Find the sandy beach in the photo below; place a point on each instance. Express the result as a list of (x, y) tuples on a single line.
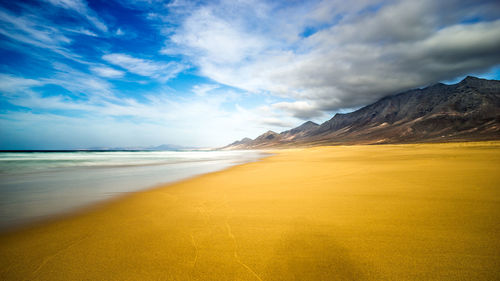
[(386, 212)]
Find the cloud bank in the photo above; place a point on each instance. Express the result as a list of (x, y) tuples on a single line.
[(330, 55)]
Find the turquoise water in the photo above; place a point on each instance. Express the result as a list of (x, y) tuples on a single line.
[(37, 185)]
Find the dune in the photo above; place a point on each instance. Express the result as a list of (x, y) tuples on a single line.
[(384, 212)]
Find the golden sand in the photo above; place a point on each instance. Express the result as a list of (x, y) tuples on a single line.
[(391, 212)]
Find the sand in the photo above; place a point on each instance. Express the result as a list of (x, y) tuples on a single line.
[(387, 212)]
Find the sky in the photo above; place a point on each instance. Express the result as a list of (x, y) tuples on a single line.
[(77, 74)]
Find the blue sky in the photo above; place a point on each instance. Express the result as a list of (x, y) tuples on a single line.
[(79, 74)]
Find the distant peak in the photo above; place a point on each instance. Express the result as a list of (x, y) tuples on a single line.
[(472, 81), (436, 86), (309, 123), (269, 135), (469, 79), (306, 126)]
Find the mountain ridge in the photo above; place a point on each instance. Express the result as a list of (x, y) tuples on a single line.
[(465, 111)]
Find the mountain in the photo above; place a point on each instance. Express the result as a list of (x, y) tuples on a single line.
[(241, 144), (466, 111), (299, 131), (268, 138)]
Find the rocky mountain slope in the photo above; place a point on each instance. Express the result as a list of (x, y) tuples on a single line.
[(466, 111)]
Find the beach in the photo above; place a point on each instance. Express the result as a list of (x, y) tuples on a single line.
[(378, 212), (36, 185)]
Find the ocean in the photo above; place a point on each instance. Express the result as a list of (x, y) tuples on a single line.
[(37, 185)]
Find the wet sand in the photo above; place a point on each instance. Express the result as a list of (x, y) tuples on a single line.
[(386, 212)]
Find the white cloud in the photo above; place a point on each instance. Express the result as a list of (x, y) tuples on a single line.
[(155, 69), (202, 119), (33, 100), (12, 84), (356, 53), (107, 72), (84, 31), (80, 83), (215, 39), (81, 7), (202, 89), (31, 30)]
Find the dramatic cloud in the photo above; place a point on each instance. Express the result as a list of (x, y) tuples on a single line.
[(299, 109), (356, 55)]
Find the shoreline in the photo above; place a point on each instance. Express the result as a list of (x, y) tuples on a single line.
[(348, 212), (92, 206)]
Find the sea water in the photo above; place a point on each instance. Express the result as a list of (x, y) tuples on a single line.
[(37, 185)]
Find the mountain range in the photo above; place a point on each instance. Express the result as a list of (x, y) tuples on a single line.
[(466, 111)]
